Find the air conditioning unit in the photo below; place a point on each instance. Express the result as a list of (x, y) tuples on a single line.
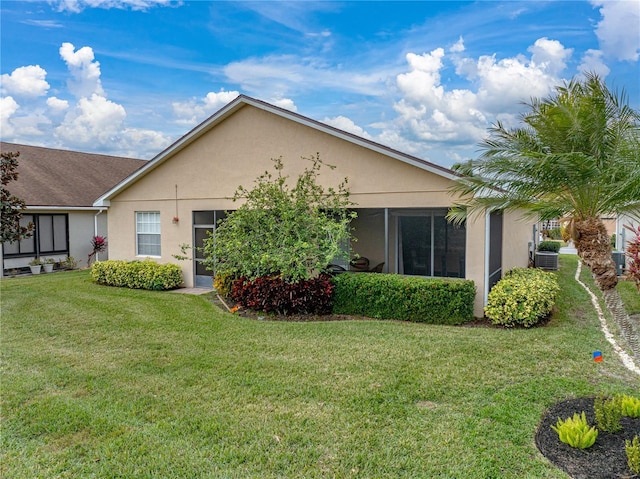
[(546, 260), (618, 258)]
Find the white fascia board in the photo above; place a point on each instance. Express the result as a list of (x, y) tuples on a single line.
[(64, 208)]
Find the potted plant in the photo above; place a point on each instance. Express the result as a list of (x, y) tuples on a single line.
[(35, 265), (48, 265)]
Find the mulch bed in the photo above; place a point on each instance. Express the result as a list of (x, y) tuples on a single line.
[(606, 459)]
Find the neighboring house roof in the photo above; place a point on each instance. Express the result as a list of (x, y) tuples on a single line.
[(65, 179), (242, 101)]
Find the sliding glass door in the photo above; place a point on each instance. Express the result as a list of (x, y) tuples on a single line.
[(428, 245)]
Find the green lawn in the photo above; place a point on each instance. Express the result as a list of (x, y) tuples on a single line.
[(630, 296), (105, 382)]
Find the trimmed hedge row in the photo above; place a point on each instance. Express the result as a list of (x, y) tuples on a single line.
[(408, 298), (522, 298), (137, 274)]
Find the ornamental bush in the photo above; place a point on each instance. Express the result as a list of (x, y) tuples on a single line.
[(408, 298), (272, 294), (552, 246), (576, 431), (291, 231), (522, 298), (137, 274)]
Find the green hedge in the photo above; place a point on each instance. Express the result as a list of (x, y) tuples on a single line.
[(553, 246), (408, 298), (522, 298), (137, 274)]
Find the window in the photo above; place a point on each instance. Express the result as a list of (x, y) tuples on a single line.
[(50, 236), (148, 233)]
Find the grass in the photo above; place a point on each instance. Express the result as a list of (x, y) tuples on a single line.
[(106, 382), (630, 296)]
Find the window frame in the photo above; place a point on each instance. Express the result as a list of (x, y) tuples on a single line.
[(158, 223), (36, 238)]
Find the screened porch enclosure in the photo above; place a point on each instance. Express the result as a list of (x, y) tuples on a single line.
[(411, 241)]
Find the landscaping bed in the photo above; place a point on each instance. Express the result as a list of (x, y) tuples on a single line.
[(606, 459)]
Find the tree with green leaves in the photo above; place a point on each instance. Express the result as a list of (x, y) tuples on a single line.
[(279, 230), (576, 157), (11, 206)]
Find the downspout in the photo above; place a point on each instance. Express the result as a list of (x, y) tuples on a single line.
[(487, 244), (95, 228)]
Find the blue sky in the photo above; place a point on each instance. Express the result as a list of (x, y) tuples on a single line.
[(428, 78)]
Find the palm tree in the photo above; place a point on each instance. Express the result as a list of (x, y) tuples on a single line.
[(577, 156)]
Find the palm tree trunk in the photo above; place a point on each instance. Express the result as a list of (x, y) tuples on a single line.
[(594, 247)]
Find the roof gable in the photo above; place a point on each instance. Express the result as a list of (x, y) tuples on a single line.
[(60, 178), (244, 101)]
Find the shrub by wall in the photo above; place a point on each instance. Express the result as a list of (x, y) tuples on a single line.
[(407, 298), (551, 246), (273, 294), (522, 298), (137, 274)]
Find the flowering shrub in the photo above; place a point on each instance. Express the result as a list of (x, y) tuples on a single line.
[(522, 298), (633, 253), (98, 245)]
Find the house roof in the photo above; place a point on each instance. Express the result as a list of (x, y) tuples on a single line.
[(65, 179), (242, 101)]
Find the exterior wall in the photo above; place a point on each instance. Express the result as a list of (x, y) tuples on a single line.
[(475, 259), (205, 174), (81, 230), (516, 235)]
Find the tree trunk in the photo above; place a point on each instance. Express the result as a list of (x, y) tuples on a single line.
[(594, 247)]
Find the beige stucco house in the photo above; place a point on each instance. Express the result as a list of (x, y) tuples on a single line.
[(401, 200), (59, 188)]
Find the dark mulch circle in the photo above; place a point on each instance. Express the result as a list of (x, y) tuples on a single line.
[(606, 459)]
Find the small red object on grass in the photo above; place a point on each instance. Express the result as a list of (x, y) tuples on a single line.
[(597, 356)]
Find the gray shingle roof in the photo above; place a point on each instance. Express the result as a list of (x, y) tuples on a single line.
[(48, 177)]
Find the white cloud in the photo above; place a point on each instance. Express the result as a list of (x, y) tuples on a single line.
[(76, 6), (429, 114), (141, 143), (279, 76), (619, 29), (549, 55), (346, 124), (592, 61), (84, 70), (457, 47), (195, 110), (8, 106), (286, 103), (93, 120), (28, 81), (56, 105)]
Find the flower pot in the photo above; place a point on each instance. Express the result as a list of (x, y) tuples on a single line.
[(35, 269), (48, 267)]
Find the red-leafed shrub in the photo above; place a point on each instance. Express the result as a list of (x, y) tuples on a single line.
[(273, 294)]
